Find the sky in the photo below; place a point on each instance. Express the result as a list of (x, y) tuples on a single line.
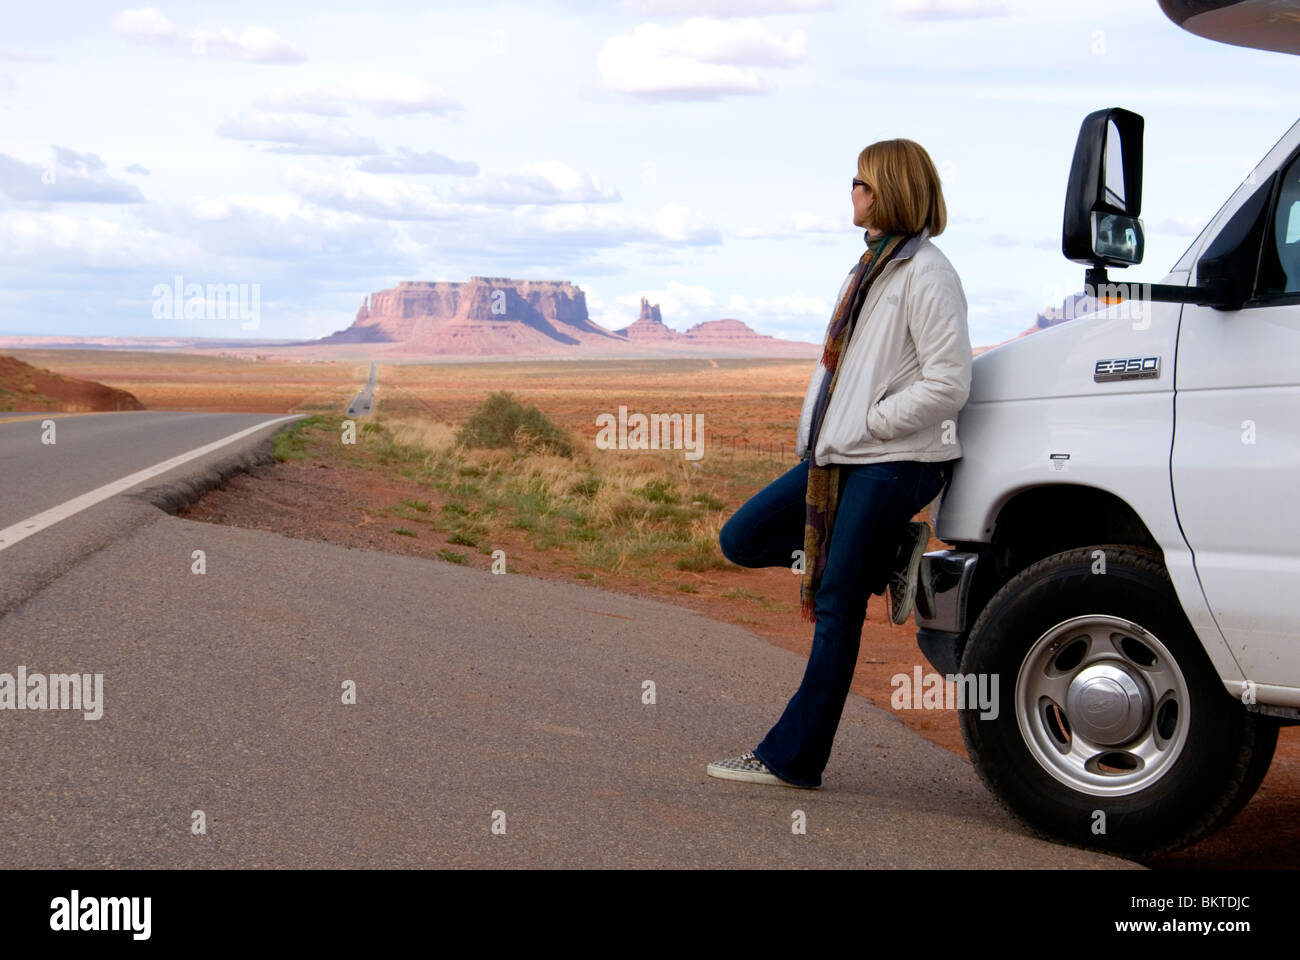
[(698, 154)]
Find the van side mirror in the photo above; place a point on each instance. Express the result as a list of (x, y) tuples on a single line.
[(1102, 202), (1104, 195)]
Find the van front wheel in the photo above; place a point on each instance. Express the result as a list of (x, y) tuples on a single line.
[(1112, 730)]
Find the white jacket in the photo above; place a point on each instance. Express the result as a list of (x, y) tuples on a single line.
[(907, 368)]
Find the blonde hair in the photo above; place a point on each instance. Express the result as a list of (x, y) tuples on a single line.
[(905, 183)]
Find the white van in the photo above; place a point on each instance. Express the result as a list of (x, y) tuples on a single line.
[(1125, 519)]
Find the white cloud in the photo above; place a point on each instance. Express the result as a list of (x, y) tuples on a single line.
[(383, 95), (543, 182), (680, 304), (316, 242), (794, 305), (680, 224), (555, 235), (280, 206), (144, 23), (71, 178), (84, 243), (372, 195), (724, 8), (535, 184), (286, 136), (948, 9), (406, 160), (701, 59), (672, 224), (580, 225), (253, 44)]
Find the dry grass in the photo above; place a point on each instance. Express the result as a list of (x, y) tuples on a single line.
[(436, 437), (650, 514)]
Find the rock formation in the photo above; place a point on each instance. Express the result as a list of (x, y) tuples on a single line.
[(649, 327), (497, 316), (723, 330), (486, 315)]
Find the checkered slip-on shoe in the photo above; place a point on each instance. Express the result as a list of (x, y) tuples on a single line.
[(746, 767), (902, 581)]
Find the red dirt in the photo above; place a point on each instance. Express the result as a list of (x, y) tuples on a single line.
[(25, 387)]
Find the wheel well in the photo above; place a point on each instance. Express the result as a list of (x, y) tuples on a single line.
[(1079, 516), (1041, 521)]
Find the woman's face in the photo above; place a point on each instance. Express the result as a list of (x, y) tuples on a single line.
[(863, 199)]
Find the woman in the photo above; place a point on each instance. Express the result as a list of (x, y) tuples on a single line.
[(877, 440)]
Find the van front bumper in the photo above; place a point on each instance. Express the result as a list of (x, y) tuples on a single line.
[(942, 594)]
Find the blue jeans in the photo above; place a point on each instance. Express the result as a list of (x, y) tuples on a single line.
[(876, 502)]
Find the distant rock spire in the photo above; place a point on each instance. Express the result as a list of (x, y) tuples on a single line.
[(649, 325)]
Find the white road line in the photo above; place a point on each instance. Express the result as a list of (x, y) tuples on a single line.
[(25, 528)]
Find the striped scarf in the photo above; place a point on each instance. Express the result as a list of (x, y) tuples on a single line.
[(823, 493)]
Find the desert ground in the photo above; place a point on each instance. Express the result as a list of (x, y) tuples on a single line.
[(648, 521)]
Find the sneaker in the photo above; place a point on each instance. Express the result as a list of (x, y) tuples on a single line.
[(746, 767), (902, 581)]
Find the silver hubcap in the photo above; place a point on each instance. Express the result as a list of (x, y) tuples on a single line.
[(1102, 705)]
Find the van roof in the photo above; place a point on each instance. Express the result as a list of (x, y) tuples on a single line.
[(1261, 24)]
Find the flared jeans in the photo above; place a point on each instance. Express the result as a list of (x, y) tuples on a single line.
[(876, 502)]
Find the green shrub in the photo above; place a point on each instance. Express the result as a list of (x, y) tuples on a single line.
[(502, 422)]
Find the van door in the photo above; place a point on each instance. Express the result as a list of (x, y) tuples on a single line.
[(1236, 453)]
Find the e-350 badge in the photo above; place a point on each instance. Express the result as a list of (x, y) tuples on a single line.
[(1130, 368)]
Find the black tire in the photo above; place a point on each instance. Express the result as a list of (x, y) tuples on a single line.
[(1193, 789)]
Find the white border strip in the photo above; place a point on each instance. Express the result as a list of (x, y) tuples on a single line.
[(25, 528)]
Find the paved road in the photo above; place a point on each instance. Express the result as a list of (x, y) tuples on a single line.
[(89, 453), (364, 401), (475, 693)]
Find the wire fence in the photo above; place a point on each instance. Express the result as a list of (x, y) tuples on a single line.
[(736, 444)]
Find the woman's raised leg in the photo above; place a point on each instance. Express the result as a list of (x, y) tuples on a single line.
[(768, 529)]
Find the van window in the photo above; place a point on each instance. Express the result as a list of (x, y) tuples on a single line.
[(1280, 266)]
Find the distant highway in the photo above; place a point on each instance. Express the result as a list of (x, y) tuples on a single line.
[(363, 402)]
